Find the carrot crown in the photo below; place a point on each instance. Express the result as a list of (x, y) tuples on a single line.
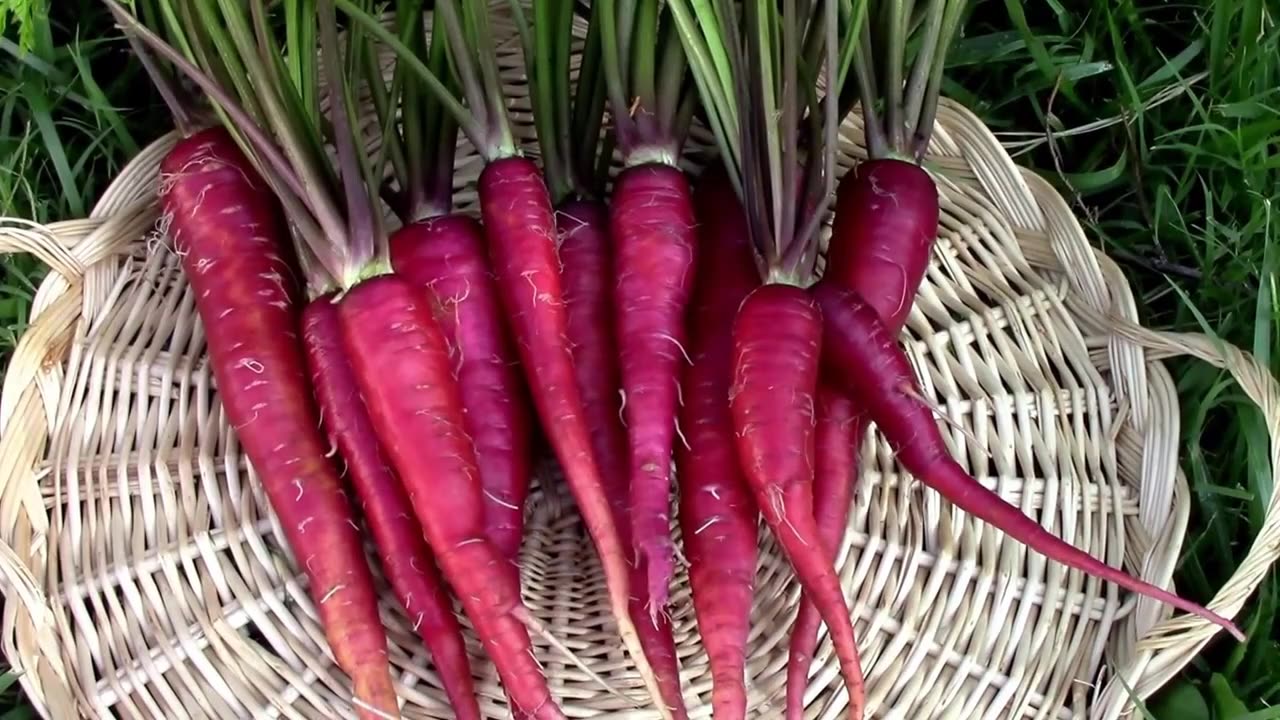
[(758, 75), (269, 97), (646, 72), (568, 116), (898, 108)]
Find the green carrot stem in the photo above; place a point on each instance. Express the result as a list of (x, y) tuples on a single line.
[(644, 47), (442, 130), (292, 191), (543, 81), (895, 33), (877, 143), (613, 54), (924, 127), (470, 125), (361, 226), (922, 66), (673, 68)]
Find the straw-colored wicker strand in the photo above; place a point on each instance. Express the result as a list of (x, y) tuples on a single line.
[(123, 492)]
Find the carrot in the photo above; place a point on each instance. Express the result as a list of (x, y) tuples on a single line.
[(228, 232), (396, 349), (446, 255), (651, 220), (516, 212), (781, 176), (858, 346), (718, 514), (777, 338), (401, 360), (587, 270), (406, 559), (522, 232), (885, 222), (840, 428)]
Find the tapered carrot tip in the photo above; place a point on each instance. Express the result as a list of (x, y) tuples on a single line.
[(375, 696)]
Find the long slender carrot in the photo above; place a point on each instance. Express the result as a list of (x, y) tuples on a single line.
[(521, 229), (840, 427), (858, 347), (446, 255), (718, 514), (406, 559), (228, 232), (586, 259), (777, 341), (401, 360), (651, 220)]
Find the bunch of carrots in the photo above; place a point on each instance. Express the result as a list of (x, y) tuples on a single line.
[(670, 336)]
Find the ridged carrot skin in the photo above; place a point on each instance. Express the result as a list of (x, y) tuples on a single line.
[(840, 427), (406, 559), (587, 260), (882, 234), (402, 364), (520, 227), (718, 514), (777, 344), (230, 237), (447, 255), (862, 356), (652, 222)]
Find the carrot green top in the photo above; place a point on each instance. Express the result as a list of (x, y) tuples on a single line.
[(646, 76), (758, 77), (568, 116), (899, 109)]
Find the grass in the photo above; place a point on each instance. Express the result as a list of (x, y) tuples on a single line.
[(1158, 119)]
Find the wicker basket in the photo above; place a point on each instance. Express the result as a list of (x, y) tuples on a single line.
[(144, 576)]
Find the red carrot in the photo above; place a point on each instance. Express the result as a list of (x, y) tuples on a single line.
[(406, 560), (446, 254), (840, 427), (882, 234), (516, 211), (858, 346), (522, 231), (777, 338), (718, 515), (401, 359), (651, 220), (587, 269), (228, 232)]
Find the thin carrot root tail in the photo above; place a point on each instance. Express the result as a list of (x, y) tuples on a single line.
[(375, 696), (658, 558), (804, 638), (536, 627), (631, 640)]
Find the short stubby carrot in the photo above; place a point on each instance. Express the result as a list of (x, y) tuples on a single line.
[(447, 255), (777, 343), (231, 239), (586, 259), (406, 559), (652, 223), (882, 234), (718, 514), (401, 361), (861, 355), (521, 230)]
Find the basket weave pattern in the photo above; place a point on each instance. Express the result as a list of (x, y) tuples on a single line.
[(144, 575)]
